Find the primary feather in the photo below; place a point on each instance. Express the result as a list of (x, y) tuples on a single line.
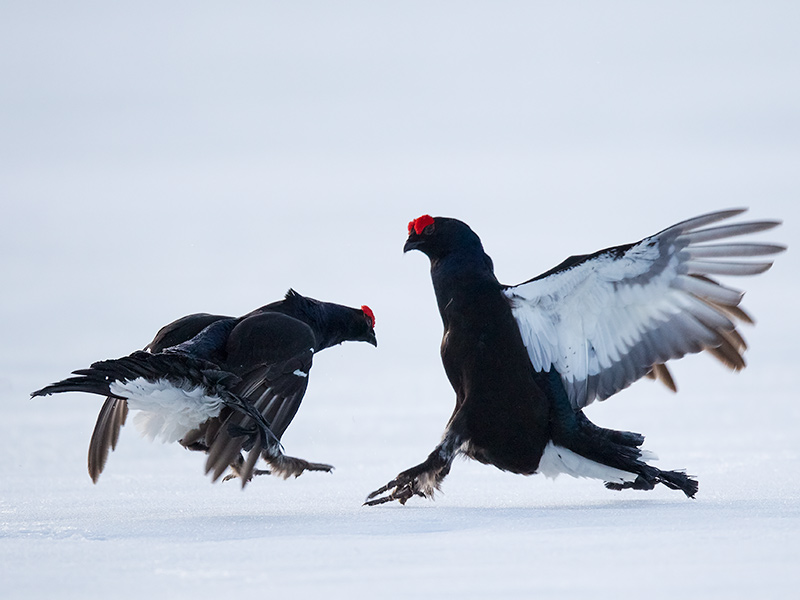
[(605, 320)]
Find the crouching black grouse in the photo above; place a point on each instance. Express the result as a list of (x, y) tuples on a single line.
[(221, 385), (525, 360)]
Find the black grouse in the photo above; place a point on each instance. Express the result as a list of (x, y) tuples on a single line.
[(525, 360), (221, 385)]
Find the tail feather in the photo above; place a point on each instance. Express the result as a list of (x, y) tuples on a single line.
[(249, 431), (624, 438), (174, 367), (679, 480), (621, 450), (84, 383), (649, 476)]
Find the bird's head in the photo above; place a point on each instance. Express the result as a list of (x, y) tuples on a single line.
[(437, 237), (332, 323), (352, 324), (368, 331)]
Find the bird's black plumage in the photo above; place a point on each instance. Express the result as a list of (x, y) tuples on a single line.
[(524, 360), (222, 385)]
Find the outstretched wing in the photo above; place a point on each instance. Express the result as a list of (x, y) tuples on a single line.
[(607, 319)]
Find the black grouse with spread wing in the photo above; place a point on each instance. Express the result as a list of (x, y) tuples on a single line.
[(525, 360), (221, 385)]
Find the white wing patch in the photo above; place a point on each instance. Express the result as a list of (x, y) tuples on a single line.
[(603, 321), (167, 412)]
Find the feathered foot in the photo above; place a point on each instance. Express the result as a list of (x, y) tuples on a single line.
[(289, 466), (417, 481), (422, 480)]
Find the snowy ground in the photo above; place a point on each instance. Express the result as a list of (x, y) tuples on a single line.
[(154, 525), (157, 161)]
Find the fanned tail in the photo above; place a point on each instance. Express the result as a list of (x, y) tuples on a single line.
[(179, 370), (616, 457), (622, 450)]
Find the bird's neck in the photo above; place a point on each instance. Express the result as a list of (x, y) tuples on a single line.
[(330, 326), (329, 322), (462, 276)]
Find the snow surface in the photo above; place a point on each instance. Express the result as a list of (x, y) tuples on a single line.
[(162, 159)]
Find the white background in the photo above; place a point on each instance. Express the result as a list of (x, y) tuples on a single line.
[(159, 159)]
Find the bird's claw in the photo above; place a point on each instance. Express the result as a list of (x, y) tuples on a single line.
[(289, 466), (401, 489), (255, 472), (282, 466)]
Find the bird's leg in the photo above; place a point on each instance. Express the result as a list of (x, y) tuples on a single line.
[(280, 464), (259, 441), (289, 466), (257, 432), (195, 446), (239, 470), (254, 473), (422, 480)]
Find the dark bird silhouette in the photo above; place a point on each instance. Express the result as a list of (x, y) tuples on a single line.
[(221, 385), (525, 360)]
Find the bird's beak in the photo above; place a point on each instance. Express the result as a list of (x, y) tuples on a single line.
[(412, 243), (372, 339)]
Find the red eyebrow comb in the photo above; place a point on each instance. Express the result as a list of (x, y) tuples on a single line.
[(420, 223), (370, 315)]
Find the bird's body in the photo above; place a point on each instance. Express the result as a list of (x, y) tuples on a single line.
[(524, 360), (221, 385), (481, 346)]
